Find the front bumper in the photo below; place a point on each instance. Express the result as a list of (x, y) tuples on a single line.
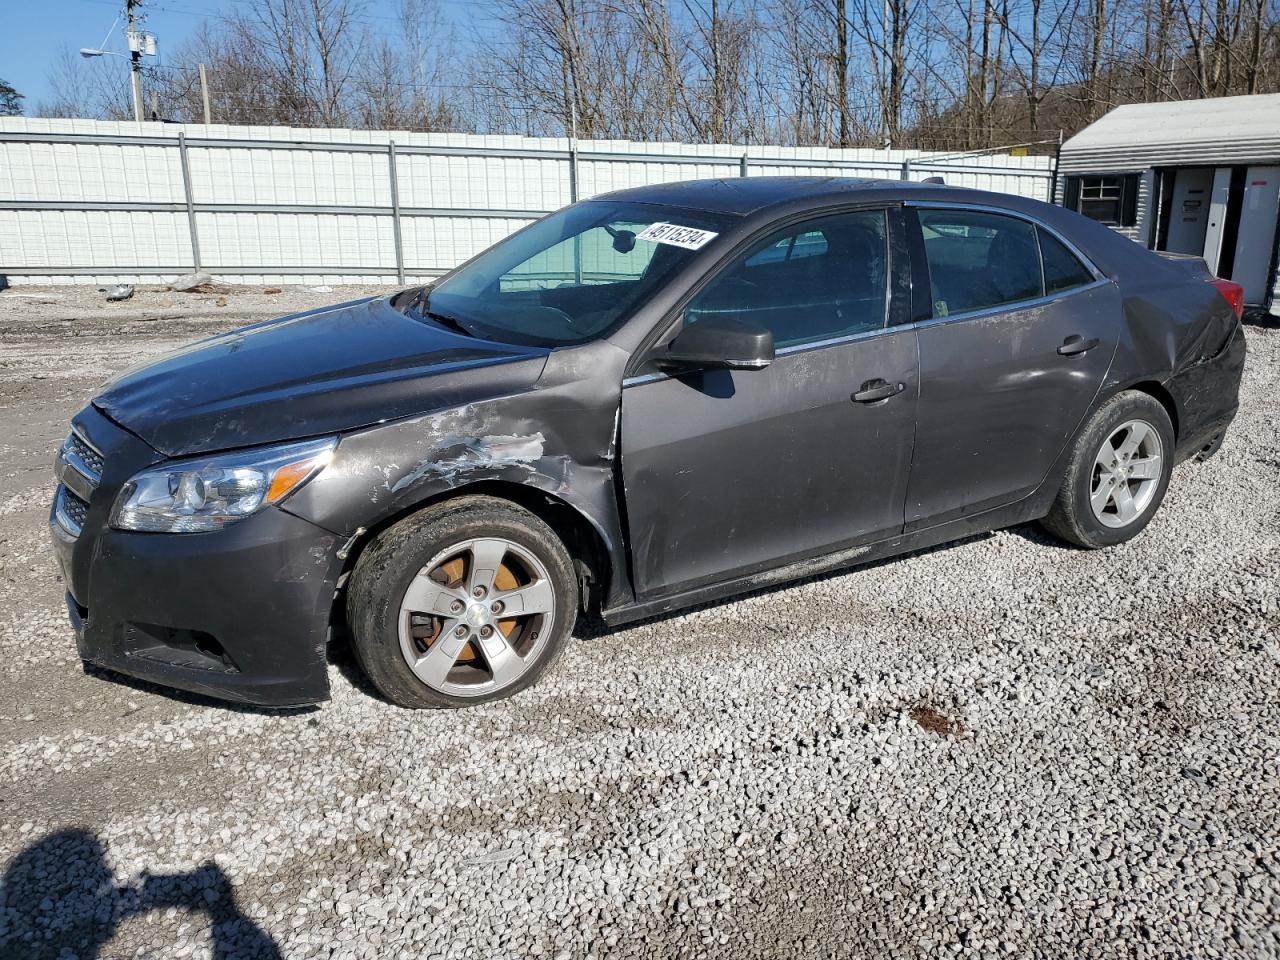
[(241, 613)]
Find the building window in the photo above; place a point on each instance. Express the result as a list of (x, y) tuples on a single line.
[(1108, 198)]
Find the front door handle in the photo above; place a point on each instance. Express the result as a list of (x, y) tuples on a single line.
[(1075, 345), (873, 391)]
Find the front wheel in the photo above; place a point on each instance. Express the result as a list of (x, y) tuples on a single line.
[(1117, 475), (468, 601)]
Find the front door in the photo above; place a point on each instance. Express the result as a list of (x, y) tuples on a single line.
[(1022, 334), (732, 472)]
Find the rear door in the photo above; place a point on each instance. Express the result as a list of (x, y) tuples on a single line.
[(732, 472), (1021, 335)]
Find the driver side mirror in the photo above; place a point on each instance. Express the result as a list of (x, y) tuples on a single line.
[(718, 343)]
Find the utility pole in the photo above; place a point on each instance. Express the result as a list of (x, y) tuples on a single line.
[(204, 94), (135, 59)]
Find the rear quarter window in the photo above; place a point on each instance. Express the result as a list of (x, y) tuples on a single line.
[(1062, 268)]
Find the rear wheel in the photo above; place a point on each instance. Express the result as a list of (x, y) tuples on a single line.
[(469, 601), (1117, 475)]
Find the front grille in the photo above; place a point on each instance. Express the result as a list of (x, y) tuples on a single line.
[(91, 458), (70, 511), (78, 469)]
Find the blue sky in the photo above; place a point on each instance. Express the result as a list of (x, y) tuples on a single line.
[(36, 31)]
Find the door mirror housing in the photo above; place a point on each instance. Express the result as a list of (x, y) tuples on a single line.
[(718, 343)]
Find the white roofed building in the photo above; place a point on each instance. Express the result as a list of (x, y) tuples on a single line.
[(1198, 177)]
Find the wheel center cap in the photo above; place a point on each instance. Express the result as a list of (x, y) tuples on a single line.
[(477, 614)]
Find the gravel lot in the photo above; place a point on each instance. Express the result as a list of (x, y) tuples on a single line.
[(1003, 747)]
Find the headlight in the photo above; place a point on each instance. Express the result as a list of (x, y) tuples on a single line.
[(193, 496)]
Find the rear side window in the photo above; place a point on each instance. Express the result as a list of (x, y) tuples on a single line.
[(1062, 268), (979, 260), (818, 280)]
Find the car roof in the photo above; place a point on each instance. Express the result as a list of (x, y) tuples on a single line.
[(764, 197), (746, 195)]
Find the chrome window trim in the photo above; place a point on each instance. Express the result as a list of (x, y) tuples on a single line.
[(644, 378), (1008, 307), (787, 351), (837, 341)]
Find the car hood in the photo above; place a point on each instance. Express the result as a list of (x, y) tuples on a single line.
[(323, 371)]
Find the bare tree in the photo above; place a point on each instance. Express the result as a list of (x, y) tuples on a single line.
[(86, 88), (937, 74)]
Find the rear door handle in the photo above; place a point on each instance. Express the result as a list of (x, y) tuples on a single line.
[(873, 391), (1075, 345)]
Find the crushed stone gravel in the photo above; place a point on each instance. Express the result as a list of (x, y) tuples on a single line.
[(1002, 747)]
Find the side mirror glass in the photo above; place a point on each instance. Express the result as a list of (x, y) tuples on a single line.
[(718, 343)]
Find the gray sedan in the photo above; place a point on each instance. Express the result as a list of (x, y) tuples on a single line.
[(652, 399)]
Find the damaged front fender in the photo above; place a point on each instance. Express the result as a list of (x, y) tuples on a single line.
[(558, 438)]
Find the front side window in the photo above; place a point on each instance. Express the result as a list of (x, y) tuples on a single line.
[(979, 260), (814, 281), (792, 247), (572, 276)]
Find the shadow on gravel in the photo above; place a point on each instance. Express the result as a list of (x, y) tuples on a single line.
[(1041, 537), (191, 699), (588, 628), (591, 628), (58, 899), (1257, 317), (342, 656)]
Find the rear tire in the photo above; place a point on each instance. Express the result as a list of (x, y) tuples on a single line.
[(469, 601), (1117, 474)]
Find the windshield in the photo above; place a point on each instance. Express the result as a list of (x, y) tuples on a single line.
[(572, 276)]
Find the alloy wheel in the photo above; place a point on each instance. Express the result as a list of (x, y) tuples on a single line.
[(1126, 474), (475, 617)]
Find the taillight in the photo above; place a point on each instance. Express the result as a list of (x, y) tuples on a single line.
[(1233, 293)]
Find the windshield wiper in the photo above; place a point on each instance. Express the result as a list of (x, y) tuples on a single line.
[(453, 323), (421, 303)]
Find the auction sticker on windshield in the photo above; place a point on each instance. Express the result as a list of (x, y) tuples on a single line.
[(676, 235)]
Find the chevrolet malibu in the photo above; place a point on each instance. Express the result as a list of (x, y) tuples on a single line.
[(656, 398)]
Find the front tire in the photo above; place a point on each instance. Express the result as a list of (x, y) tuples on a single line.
[(1117, 474), (469, 601)]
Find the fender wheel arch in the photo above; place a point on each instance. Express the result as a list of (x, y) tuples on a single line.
[(580, 537), (1154, 389)]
